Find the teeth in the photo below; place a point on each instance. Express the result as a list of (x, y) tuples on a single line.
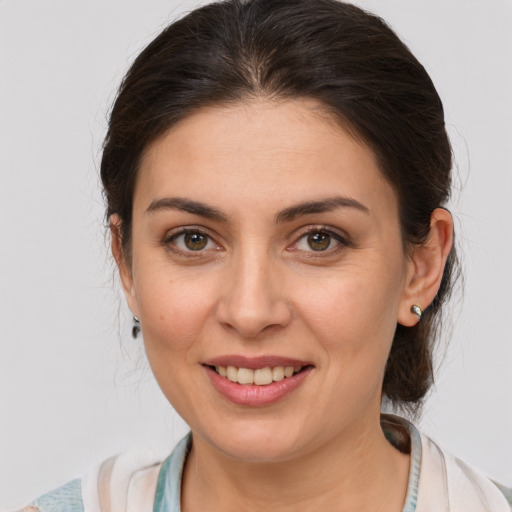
[(232, 373), (278, 373), (245, 376), (260, 377)]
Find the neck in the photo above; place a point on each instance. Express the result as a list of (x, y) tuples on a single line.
[(352, 471)]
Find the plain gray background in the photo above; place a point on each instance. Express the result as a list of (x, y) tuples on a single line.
[(74, 387)]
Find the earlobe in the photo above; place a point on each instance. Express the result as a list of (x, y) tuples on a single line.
[(123, 264), (427, 263)]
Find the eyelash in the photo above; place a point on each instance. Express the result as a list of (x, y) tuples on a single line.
[(341, 241), (170, 241)]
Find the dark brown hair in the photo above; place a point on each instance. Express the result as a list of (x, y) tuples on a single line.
[(347, 59)]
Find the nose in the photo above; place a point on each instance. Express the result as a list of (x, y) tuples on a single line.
[(253, 300)]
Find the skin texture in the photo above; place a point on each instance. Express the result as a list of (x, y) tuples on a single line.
[(257, 288)]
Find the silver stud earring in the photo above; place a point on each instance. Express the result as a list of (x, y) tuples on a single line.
[(416, 310), (135, 327)]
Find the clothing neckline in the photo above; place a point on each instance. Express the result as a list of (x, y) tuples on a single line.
[(394, 428), (168, 489)]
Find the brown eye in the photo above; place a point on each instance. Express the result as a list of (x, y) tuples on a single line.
[(192, 241), (195, 241), (320, 241)]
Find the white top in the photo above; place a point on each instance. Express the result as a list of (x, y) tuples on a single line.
[(438, 482)]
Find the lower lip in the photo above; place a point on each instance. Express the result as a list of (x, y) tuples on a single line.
[(252, 395)]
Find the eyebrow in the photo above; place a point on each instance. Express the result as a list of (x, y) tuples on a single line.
[(320, 206), (187, 205), (288, 214)]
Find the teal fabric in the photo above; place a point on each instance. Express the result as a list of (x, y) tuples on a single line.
[(67, 498), (168, 488), (507, 492), (414, 471)]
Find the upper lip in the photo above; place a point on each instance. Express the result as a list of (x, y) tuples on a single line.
[(254, 363)]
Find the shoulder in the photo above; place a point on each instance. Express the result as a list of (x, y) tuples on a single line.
[(130, 482), (438, 480), (446, 481), (106, 488), (67, 498)]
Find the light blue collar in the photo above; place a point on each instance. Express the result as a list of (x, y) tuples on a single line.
[(168, 489)]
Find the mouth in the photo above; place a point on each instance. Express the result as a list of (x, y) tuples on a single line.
[(257, 381), (257, 377)]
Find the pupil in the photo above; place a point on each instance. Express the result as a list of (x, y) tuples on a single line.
[(319, 241), (195, 241)]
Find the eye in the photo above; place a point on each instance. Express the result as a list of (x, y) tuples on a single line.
[(192, 240), (319, 240)]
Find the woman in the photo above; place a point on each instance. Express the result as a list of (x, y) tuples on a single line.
[(275, 176)]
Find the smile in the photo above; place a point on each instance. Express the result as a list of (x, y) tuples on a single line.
[(258, 377), (256, 382)]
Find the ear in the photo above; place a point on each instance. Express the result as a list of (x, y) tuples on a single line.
[(123, 264), (426, 266)]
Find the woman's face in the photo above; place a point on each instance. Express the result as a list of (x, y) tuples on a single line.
[(265, 241)]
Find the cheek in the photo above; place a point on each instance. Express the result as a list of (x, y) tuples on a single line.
[(353, 313), (174, 309), (353, 323)]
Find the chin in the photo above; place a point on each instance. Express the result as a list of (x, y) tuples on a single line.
[(258, 442)]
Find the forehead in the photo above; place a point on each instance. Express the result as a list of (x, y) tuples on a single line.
[(261, 150)]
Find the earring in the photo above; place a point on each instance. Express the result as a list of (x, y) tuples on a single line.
[(416, 310), (136, 327)]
